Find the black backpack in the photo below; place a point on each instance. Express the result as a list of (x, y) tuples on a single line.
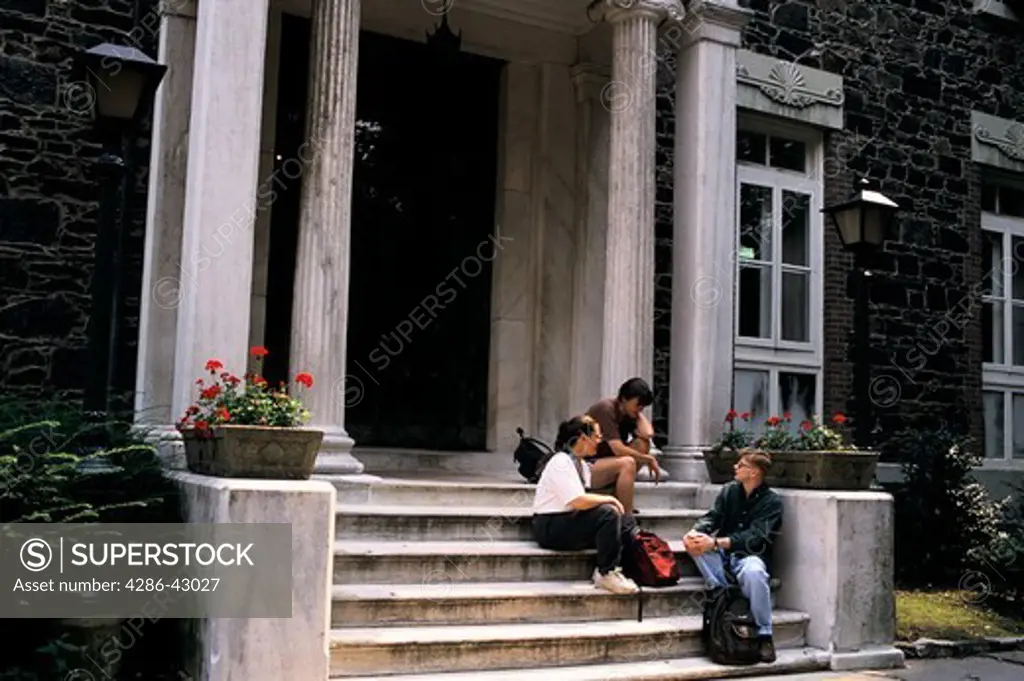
[(531, 454), (730, 633)]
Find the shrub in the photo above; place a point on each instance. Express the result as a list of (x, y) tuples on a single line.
[(59, 465), (945, 522)]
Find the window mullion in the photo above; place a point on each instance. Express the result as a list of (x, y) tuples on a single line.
[(1007, 424), (1007, 298), (776, 265)]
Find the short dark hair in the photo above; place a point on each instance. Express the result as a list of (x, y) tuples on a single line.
[(638, 388), (758, 459), (571, 430)]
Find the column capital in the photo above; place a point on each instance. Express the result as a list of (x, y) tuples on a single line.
[(614, 11), (719, 21), (589, 80)]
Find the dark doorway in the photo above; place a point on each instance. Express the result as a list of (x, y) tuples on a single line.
[(423, 210), (422, 216)]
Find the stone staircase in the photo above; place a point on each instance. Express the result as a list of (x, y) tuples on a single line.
[(436, 577)]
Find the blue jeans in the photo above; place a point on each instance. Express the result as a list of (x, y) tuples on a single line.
[(753, 580)]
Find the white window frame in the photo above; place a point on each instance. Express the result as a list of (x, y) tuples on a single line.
[(1004, 377), (775, 355)]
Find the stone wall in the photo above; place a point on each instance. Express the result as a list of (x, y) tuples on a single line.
[(913, 71), (49, 191)]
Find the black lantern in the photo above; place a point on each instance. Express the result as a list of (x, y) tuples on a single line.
[(121, 78), (120, 83), (865, 221)]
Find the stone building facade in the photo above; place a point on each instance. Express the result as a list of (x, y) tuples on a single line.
[(898, 92), (49, 186)]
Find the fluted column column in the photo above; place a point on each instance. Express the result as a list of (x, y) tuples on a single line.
[(320, 316), (704, 236), (628, 342)]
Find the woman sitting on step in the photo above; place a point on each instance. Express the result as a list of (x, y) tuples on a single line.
[(567, 518)]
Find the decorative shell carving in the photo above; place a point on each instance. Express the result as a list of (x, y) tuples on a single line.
[(1011, 144), (786, 84)]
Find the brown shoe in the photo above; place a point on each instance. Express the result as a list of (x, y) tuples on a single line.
[(767, 649)]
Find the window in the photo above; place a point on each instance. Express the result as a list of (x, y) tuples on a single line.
[(778, 271), (1002, 315)]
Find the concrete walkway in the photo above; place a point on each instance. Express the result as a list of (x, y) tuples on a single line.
[(1008, 666)]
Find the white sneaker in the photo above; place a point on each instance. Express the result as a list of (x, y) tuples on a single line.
[(615, 582)]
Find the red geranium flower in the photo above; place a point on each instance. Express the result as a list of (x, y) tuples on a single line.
[(210, 393), (773, 421), (806, 425), (787, 416), (223, 414), (745, 416), (839, 418), (259, 351), (305, 378), (258, 380), (202, 425), (731, 415), (214, 365)]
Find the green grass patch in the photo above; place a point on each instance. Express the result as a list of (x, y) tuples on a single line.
[(950, 615)]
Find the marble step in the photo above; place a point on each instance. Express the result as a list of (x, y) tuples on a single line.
[(789, 661), (436, 565), (404, 650), (454, 523), (400, 491), (387, 460), (382, 605)]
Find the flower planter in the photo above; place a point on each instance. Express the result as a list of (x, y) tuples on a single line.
[(846, 470), (252, 451)]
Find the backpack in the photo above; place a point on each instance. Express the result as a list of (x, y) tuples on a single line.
[(729, 631), (531, 454), (649, 560)]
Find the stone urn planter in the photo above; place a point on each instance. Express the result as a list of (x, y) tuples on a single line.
[(838, 470), (252, 451)]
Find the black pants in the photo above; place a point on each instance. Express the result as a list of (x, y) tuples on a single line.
[(599, 527)]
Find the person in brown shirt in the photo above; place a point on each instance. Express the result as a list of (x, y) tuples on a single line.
[(626, 445)]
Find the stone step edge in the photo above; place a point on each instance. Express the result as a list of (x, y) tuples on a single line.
[(396, 480), (486, 512), (688, 625), (473, 591), (405, 549), (681, 669)]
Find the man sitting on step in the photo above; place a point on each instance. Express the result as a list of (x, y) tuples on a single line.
[(568, 518), (626, 448), (737, 534)]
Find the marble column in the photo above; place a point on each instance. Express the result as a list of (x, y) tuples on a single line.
[(220, 191), (628, 339), (320, 316), (161, 270), (704, 237), (592, 143)]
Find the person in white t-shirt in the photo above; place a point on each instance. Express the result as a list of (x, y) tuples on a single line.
[(567, 518)]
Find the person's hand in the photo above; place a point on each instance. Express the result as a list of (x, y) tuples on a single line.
[(616, 504), (698, 542), (655, 469)]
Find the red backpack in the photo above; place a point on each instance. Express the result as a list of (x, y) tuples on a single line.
[(649, 561)]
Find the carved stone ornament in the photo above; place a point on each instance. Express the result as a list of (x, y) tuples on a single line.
[(1011, 144), (785, 83)]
